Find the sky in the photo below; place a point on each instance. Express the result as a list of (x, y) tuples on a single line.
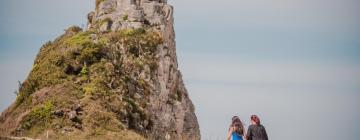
[(294, 63)]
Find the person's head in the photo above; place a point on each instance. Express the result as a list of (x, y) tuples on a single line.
[(238, 125), (234, 119), (255, 120)]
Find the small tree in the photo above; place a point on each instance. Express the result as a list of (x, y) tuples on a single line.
[(84, 70), (16, 92)]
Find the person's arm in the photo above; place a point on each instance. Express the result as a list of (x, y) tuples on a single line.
[(265, 134), (245, 138), (248, 134), (229, 133)]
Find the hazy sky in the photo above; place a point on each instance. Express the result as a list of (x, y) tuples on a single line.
[(295, 63)]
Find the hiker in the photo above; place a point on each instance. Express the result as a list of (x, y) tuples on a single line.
[(236, 130), (256, 131)]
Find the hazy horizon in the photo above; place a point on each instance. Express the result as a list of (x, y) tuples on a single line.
[(295, 63)]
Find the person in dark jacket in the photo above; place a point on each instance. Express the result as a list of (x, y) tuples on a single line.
[(256, 131)]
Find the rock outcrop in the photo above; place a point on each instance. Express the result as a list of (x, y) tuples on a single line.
[(117, 79)]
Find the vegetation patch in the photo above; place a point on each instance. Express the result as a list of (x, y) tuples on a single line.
[(39, 115), (98, 67), (61, 60), (100, 23), (138, 41), (78, 39), (73, 29), (97, 3), (125, 17)]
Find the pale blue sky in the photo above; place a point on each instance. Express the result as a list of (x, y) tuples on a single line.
[(295, 63)]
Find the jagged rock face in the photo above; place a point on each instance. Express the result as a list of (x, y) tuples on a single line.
[(121, 14), (175, 120), (117, 80)]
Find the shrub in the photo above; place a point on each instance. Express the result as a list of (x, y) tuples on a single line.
[(78, 39), (148, 40), (128, 32), (84, 70), (89, 89), (94, 88), (90, 53), (125, 17), (38, 115), (84, 48), (59, 60), (99, 23), (97, 3), (27, 88), (73, 29), (179, 95)]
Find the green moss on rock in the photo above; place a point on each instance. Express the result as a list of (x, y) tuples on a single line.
[(93, 66)]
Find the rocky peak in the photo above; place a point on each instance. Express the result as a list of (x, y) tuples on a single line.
[(121, 14), (118, 79)]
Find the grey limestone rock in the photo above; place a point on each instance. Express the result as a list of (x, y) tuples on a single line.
[(171, 109)]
